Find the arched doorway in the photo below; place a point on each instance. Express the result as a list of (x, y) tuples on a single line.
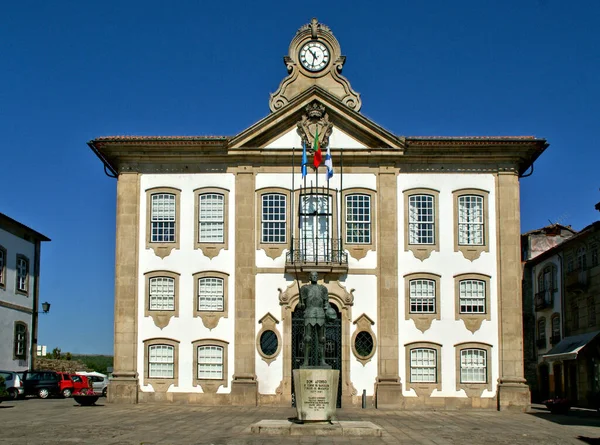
[(333, 346)]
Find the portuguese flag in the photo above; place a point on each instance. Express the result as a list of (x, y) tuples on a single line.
[(317, 149)]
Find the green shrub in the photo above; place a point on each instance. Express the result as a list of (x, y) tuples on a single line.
[(3, 393)]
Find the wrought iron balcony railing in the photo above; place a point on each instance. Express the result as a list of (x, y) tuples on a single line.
[(543, 299), (317, 253)]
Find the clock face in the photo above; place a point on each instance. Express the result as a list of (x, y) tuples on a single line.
[(314, 56)]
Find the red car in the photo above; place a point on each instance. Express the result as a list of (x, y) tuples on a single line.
[(80, 383), (66, 384)]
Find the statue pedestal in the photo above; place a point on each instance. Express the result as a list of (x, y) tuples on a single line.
[(316, 393)]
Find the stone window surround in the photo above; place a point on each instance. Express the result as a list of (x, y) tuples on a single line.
[(15, 341), (472, 252), (553, 276), (472, 321), (359, 251), (474, 389), (541, 333), (274, 250), (422, 321), (161, 318), (363, 324), (422, 251), (424, 388), (211, 250), (268, 323), (210, 319), (210, 385), (17, 290), (555, 316), (163, 249), (161, 384), (3, 267)]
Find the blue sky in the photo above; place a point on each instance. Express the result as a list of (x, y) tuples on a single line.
[(72, 71)]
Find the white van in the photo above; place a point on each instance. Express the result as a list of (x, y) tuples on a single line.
[(99, 381)]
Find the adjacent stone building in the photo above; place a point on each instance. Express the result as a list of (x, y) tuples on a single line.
[(415, 238), (20, 249)]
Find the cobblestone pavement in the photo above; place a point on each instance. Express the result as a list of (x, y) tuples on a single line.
[(61, 421)]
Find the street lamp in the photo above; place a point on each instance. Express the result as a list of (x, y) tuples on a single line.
[(45, 307)]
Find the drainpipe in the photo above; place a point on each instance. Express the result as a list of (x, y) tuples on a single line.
[(34, 314)]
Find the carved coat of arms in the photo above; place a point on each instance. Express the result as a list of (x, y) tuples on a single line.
[(315, 121)]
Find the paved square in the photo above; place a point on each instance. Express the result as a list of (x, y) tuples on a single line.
[(62, 421)]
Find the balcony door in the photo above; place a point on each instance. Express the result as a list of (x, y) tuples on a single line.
[(315, 228)]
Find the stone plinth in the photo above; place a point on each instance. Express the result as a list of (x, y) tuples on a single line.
[(344, 428), (316, 393)]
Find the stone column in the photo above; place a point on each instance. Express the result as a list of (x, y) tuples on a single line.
[(388, 386), (123, 387), (244, 388), (513, 392)]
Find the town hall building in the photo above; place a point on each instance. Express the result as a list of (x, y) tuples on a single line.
[(417, 240)]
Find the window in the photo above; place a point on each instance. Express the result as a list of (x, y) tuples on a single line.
[(470, 220), (274, 221), (591, 304), (422, 299), (594, 255), (162, 294), (211, 227), (555, 329), (20, 341), (210, 294), (421, 221), (161, 361), (210, 362), (423, 365), (422, 296), (473, 366), (472, 297), (542, 329), (211, 218), (570, 266), (580, 261), (2, 267), (162, 227), (161, 368), (358, 219), (163, 218), (22, 284), (547, 279), (210, 303)]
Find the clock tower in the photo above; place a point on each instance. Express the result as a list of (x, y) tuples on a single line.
[(314, 59)]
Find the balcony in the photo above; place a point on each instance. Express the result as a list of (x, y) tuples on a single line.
[(543, 299), (541, 343), (577, 281), (320, 255)]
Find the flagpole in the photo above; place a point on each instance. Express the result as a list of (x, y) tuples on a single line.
[(292, 203), (341, 197)]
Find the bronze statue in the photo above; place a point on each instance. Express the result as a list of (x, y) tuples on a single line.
[(314, 300)]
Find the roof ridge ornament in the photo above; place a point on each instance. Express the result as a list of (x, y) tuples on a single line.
[(314, 58)]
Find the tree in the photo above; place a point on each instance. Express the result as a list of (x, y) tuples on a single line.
[(56, 353)]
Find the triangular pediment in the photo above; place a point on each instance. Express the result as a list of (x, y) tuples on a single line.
[(348, 126)]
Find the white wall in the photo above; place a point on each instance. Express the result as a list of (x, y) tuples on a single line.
[(186, 261), (337, 139), (447, 331)]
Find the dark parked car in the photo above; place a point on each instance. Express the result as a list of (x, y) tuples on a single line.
[(42, 383), (14, 383)]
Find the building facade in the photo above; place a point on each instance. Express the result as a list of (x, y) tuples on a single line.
[(416, 239), (20, 249)]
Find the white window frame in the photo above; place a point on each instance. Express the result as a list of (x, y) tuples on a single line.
[(423, 365), (421, 219), (162, 299), (422, 296), (274, 224), (473, 366), (211, 294), (211, 363), (472, 302), (161, 361), (163, 217), (2, 266), (22, 278), (20, 340), (358, 218), (471, 220), (211, 217)]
